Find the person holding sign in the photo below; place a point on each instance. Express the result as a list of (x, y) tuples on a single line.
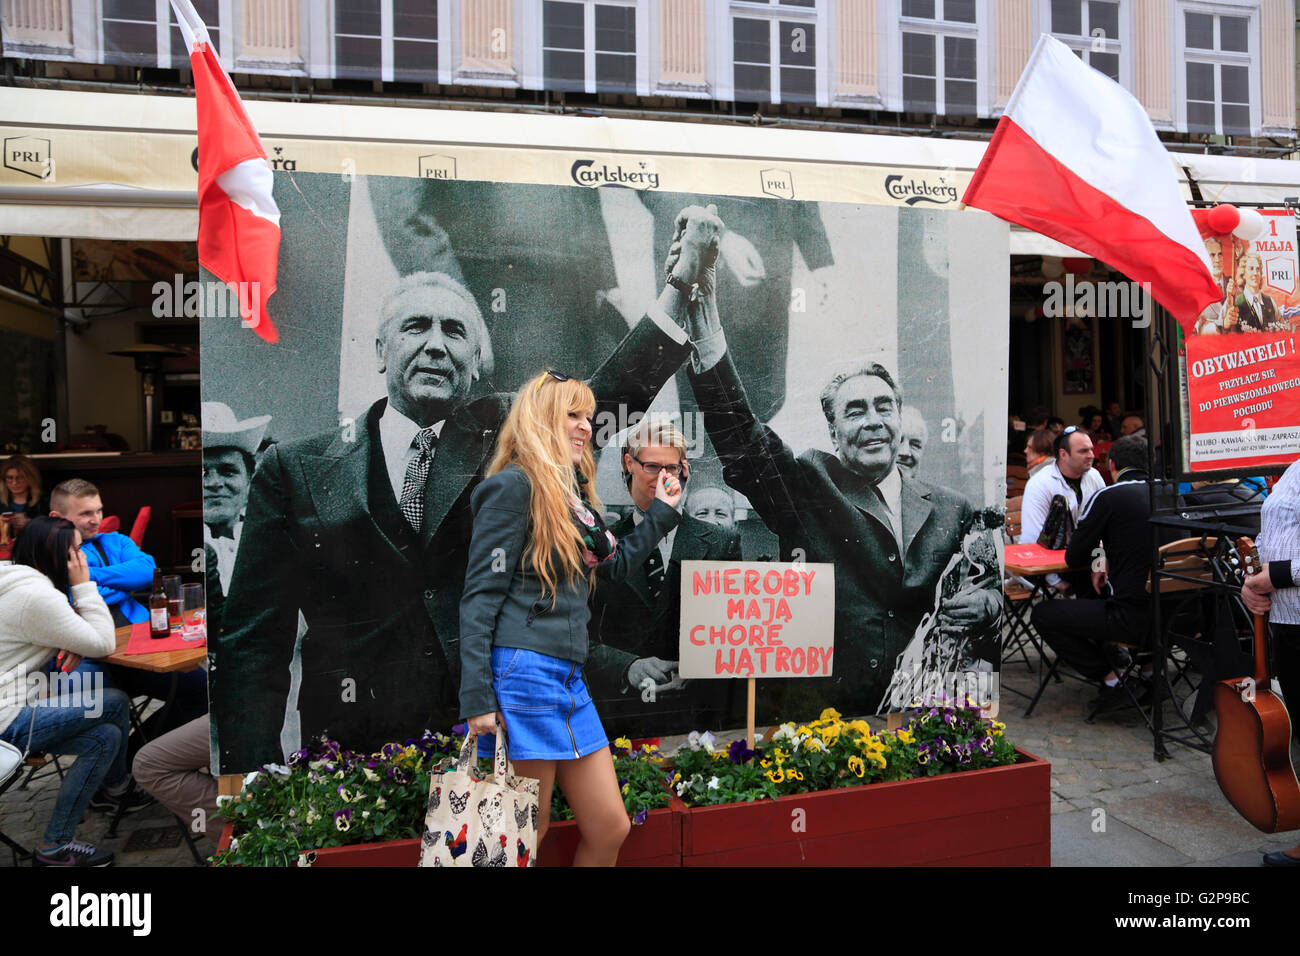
[(890, 537), (537, 539)]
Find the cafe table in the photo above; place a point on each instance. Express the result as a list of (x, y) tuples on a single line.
[(1033, 563), (173, 662)]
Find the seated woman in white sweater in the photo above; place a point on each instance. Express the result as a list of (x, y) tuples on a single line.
[(48, 607)]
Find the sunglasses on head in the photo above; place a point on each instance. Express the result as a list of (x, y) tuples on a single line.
[(558, 376)]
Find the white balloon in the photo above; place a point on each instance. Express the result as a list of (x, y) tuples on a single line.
[(1251, 225), (1053, 268)]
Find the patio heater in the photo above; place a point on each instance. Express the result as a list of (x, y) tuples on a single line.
[(148, 360)]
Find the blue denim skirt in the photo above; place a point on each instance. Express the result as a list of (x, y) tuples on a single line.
[(547, 709)]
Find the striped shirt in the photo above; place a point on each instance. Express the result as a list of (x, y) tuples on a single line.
[(1279, 540)]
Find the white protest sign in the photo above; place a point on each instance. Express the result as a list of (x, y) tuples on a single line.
[(757, 619)]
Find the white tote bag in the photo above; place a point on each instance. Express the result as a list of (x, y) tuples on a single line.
[(480, 822)]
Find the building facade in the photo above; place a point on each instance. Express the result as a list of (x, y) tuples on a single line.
[(1221, 68)]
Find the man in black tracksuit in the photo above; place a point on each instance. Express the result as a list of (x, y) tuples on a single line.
[(1082, 632)]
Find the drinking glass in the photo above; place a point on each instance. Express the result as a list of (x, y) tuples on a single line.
[(172, 585), (194, 611)]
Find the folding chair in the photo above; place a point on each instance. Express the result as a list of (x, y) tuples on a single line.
[(1017, 601), (38, 761), (12, 763), (1202, 631)]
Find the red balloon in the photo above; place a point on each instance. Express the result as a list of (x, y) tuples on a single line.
[(1223, 219), (1076, 265)]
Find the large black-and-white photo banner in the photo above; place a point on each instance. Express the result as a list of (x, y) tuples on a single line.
[(848, 411)]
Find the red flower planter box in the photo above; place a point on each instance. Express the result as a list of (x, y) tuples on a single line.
[(995, 817), (388, 853), (657, 842)]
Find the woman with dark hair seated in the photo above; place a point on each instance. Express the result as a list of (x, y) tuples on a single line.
[(50, 609)]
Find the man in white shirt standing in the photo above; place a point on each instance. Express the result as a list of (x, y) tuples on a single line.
[(1072, 477)]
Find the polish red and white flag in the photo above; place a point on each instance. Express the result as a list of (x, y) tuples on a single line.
[(1075, 157), (239, 222)]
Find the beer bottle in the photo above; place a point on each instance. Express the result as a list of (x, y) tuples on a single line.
[(158, 626)]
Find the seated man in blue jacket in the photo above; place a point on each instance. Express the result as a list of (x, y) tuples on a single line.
[(119, 567)]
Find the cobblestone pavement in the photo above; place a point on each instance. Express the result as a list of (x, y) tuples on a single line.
[(1113, 803)]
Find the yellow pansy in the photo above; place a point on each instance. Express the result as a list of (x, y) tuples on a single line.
[(905, 737), (813, 744), (803, 731), (830, 713), (776, 776), (857, 766), (794, 774), (765, 764), (860, 726), (622, 743), (625, 788)]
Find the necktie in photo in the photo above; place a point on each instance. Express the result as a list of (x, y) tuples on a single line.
[(654, 572), (889, 512), (417, 474)]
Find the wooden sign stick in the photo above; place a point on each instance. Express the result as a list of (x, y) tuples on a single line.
[(749, 714)]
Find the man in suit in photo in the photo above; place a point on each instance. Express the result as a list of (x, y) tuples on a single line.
[(635, 623), (365, 529), (1255, 307), (889, 536), (229, 459)]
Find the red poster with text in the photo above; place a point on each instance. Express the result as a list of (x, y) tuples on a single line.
[(1242, 366)]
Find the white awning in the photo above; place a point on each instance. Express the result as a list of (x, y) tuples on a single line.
[(70, 170)]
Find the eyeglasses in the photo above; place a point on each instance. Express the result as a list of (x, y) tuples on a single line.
[(652, 468), (1071, 430), (558, 376)]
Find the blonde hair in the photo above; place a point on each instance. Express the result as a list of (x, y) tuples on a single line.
[(27, 468), (534, 438), (655, 431)]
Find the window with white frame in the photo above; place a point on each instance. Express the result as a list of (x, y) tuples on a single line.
[(589, 47), (939, 65), (774, 51), (1093, 29), (129, 32), (1217, 64), (209, 12), (386, 40)]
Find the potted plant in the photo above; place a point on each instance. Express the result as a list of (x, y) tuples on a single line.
[(333, 807), (946, 788)]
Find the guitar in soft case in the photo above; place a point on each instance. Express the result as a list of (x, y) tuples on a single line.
[(1252, 750)]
